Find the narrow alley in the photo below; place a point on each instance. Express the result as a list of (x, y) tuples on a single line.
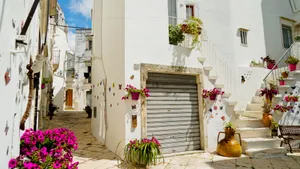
[(91, 154)]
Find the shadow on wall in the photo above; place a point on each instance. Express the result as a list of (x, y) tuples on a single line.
[(180, 54), (59, 98)]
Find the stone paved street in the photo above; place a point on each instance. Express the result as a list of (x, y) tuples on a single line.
[(93, 155)]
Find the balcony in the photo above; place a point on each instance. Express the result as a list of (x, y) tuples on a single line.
[(185, 32)]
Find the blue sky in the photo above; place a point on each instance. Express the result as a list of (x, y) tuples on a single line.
[(77, 13)]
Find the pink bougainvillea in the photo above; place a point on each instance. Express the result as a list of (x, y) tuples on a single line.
[(49, 149)]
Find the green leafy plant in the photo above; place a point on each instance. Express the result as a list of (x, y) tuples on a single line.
[(143, 152), (229, 125), (268, 60), (46, 80), (192, 26), (176, 35), (292, 60), (297, 38), (280, 78), (256, 64)]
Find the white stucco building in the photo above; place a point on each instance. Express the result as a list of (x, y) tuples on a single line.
[(131, 46), (13, 60)]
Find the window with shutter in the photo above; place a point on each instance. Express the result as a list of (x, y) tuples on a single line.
[(172, 10), (287, 36)]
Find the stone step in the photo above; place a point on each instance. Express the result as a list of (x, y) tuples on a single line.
[(290, 81), (257, 143), (248, 122), (266, 152), (249, 132), (257, 99), (253, 114), (254, 107)]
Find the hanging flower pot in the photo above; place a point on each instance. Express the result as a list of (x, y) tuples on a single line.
[(43, 85), (135, 96), (281, 82), (212, 97), (292, 67)]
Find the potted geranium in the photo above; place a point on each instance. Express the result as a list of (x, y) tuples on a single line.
[(278, 108), (267, 116), (291, 98), (192, 26), (212, 94), (281, 81), (135, 93), (48, 150), (268, 93), (270, 62), (274, 128), (285, 74), (292, 62), (44, 82), (143, 152)]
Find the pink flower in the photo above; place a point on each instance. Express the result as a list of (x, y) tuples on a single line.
[(12, 163)]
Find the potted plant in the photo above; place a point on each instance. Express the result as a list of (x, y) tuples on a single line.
[(135, 93), (212, 94), (44, 82), (192, 26), (278, 108), (297, 38), (255, 64), (229, 146), (176, 35), (274, 128), (143, 152), (285, 74), (292, 62), (267, 116), (43, 149), (270, 62), (281, 81), (269, 93), (291, 98)]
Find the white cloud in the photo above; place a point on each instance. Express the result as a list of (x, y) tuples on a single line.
[(81, 6), (71, 40)]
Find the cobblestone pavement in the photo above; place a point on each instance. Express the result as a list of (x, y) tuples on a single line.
[(93, 155)]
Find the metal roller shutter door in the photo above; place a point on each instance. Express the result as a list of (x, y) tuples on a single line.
[(172, 112)]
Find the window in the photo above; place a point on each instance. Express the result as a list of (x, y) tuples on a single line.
[(189, 11), (287, 36), (243, 36), (172, 10)]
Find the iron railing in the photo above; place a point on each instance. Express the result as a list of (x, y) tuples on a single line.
[(224, 69), (280, 66)]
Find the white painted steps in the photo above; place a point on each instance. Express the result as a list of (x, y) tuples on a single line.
[(250, 132), (248, 122), (257, 143), (266, 152)]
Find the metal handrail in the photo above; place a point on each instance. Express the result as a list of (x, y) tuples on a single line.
[(265, 79)]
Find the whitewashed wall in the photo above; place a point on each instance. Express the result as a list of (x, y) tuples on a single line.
[(61, 44), (128, 39), (12, 110)]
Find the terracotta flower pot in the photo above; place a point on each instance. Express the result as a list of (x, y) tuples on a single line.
[(281, 82), (271, 65), (267, 119), (212, 97), (292, 67), (135, 96), (228, 146), (284, 74)]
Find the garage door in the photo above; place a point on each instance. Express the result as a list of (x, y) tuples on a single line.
[(172, 112)]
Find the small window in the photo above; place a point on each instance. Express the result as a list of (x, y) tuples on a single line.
[(172, 11), (243, 36), (189, 11), (287, 36)]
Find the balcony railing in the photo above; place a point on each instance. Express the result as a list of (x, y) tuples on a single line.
[(281, 66), (221, 67)]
